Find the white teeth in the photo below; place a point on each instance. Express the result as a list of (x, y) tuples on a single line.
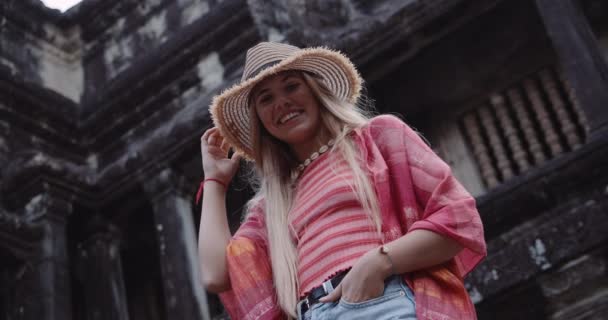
[(288, 117)]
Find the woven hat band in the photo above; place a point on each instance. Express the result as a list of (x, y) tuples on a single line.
[(261, 68), (263, 54)]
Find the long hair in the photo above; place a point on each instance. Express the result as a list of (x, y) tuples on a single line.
[(274, 169)]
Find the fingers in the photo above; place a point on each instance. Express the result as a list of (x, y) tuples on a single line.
[(334, 295), (207, 133), (225, 146), (213, 137), (236, 157)]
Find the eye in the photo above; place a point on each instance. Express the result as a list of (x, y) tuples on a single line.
[(265, 99), (290, 87)]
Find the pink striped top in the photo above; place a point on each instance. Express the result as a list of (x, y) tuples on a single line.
[(331, 229)]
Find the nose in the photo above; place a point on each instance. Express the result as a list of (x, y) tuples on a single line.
[(281, 105), (282, 102)]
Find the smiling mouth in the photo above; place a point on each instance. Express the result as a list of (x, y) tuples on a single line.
[(289, 116)]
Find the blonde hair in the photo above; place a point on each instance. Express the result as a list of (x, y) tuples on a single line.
[(274, 168)]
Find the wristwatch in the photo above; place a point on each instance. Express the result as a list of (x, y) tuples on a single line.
[(384, 251)]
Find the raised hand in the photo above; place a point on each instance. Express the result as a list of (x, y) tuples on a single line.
[(214, 152)]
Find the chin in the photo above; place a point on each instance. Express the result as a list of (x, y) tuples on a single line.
[(297, 134), (300, 136)]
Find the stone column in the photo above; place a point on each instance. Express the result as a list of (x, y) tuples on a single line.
[(102, 277), (185, 297), (584, 67), (43, 289)]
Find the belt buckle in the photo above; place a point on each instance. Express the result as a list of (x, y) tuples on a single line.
[(328, 287)]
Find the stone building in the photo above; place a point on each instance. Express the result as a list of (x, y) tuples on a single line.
[(102, 107)]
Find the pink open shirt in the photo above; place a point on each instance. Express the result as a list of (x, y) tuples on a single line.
[(416, 190)]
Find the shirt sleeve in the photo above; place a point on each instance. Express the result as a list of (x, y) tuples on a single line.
[(251, 294), (439, 203)]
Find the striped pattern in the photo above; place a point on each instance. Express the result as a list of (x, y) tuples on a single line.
[(264, 54), (332, 229), (230, 110)]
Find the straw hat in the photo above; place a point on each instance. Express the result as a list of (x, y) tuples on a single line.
[(230, 110)]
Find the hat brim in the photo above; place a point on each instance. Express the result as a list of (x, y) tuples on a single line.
[(230, 110)]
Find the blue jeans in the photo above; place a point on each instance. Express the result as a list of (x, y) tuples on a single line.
[(397, 302)]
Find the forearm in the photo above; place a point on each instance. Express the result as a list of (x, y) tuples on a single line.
[(416, 250), (419, 249), (213, 238)]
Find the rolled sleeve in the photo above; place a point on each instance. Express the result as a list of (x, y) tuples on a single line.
[(439, 202)]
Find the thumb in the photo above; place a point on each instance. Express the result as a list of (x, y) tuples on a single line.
[(236, 157), (334, 295)]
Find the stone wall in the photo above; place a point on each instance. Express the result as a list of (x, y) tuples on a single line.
[(102, 107)]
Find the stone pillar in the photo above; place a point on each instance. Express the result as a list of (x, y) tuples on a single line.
[(102, 277), (43, 290), (185, 297), (585, 69)]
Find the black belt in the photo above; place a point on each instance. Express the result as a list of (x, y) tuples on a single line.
[(321, 291)]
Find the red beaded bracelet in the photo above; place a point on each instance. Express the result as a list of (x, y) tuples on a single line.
[(199, 193)]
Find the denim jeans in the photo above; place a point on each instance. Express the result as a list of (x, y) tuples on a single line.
[(397, 302)]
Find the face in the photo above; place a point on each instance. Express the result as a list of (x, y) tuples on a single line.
[(288, 109)]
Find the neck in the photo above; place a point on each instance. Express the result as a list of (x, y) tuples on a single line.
[(303, 150)]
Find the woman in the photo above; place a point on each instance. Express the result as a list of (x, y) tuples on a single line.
[(354, 218)]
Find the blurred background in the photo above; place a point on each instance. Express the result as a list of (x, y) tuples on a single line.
[(102, 107)]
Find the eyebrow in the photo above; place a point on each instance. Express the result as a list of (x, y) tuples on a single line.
[(286, 77)]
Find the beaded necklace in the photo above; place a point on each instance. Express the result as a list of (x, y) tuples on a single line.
[(314, 156)]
